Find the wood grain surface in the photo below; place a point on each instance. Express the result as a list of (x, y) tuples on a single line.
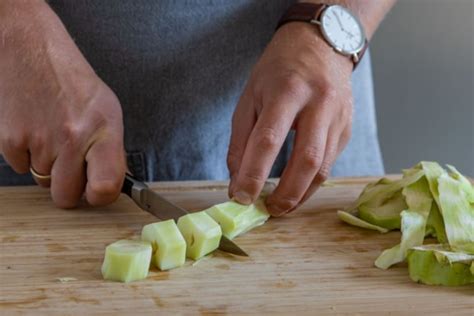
[(306, 263)]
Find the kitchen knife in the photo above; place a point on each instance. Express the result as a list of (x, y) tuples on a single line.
[(160, 207)]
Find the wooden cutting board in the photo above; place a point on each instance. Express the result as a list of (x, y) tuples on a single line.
[(306, 263)]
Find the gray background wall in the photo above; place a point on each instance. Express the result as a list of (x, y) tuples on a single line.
[(423, 59)]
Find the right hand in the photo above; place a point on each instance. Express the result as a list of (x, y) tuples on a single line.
[(60, 118)]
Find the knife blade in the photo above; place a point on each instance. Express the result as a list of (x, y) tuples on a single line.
[(160, 207)]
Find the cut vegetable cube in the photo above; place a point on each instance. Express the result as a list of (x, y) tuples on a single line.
[(201, 233), (236, 219), (127, 260), (169, 246)]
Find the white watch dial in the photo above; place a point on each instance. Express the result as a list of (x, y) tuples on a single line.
[(342, 30)]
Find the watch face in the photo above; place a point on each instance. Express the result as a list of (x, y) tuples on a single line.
[(342, 30)]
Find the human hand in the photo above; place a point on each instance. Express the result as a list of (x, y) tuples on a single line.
[(300, 83), (58, 117)]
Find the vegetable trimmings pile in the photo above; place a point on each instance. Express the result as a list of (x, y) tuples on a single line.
[(428, 201)]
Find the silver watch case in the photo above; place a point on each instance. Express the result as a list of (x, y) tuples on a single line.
[(350, 53)]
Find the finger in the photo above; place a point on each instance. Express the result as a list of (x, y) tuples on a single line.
[(105, 171), (305, 161), (329, 160), (68, 177), (15, 152), (264, 144), (243, 121)]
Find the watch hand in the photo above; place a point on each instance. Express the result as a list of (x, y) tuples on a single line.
[(349, 33), (339, 21)]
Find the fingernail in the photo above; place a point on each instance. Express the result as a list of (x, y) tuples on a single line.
[(242, 197), (276, 210)]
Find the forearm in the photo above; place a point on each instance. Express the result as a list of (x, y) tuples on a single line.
[(370, 12), (32, 35), (24, 25)]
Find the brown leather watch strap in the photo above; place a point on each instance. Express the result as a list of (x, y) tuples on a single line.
[(308, 12), (302, 12)]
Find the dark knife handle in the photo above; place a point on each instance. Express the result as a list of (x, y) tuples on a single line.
[(129, 183)]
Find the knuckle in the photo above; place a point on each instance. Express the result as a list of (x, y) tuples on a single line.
[(311, 157), (71, 134), (233, 156), (323, 173), (327, 91), (254, 176), (112, 109), (267, 139), (39, 142), (294, 84), (98, 120), (12, 142)]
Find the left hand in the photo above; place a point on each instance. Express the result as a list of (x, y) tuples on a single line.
[(300, 82)]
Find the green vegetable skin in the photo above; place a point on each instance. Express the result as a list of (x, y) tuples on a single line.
[(413, 232), (236, 219), (419, 201), (169, 246), (127, 260), (355, 221), (385, 189), (438, 204), (435, 225), (457, 212), (381, 203), (201, 233), (432, 265), (464, 183), (386, 214)]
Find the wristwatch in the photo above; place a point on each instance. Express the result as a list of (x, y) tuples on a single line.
[(340, 28)]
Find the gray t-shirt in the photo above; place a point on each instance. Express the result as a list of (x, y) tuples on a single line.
[(178, 68)]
